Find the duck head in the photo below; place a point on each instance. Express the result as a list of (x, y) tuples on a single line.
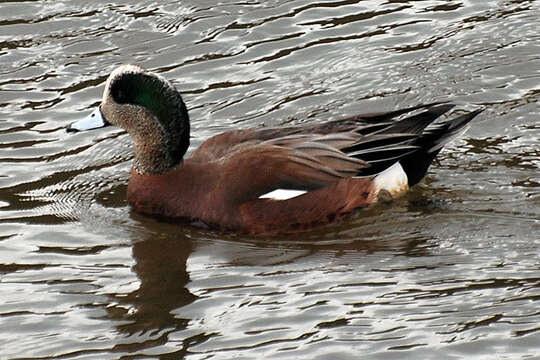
[(151, 110)]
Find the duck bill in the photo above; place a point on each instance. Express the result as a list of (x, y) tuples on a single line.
[(93, 121)]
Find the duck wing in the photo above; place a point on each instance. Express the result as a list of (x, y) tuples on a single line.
[(371, 143), (344, 134), (303, 163), (309, 157)]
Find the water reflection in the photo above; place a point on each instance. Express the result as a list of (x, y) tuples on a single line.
[(160, 266)]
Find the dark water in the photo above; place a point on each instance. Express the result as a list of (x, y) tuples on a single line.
[(450, 271)]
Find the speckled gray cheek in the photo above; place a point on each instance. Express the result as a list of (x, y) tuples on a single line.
[(152, 145), (151, 142)]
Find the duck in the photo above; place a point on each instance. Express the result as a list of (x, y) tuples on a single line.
[(266, 180)]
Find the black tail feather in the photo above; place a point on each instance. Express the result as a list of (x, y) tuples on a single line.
[(417, 123), (413, 136), (441, 134), (431, 142)]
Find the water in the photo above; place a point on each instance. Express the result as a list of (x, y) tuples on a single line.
[(449, 271)]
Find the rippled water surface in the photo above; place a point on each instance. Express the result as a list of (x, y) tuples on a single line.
[(450, 271)]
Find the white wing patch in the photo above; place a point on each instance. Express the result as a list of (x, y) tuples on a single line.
[(282, 194), (394, 180)]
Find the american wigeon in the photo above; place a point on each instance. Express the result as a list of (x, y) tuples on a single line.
[(266, 180)]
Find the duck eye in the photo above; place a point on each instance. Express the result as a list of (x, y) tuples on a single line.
[(122, 90), (120, 96)]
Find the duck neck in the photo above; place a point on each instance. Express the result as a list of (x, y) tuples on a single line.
[(157, 149)]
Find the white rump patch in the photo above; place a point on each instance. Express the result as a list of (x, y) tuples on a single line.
[(394, 180), (282, 194)]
